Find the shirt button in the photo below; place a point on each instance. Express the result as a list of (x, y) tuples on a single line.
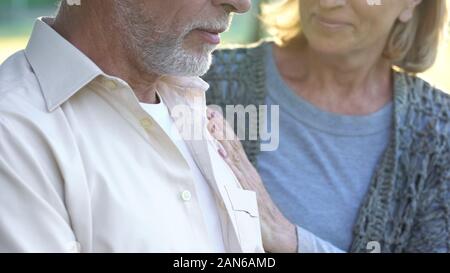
[(186, 196), (146, 123), (74, 247)]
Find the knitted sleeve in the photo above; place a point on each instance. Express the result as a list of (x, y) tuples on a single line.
[(431, 226)]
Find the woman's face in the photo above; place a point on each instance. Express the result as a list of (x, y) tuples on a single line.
[(346, 26)]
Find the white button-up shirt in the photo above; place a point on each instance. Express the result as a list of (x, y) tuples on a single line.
[(84, 168)]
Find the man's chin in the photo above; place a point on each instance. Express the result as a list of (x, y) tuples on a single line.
[(197, 64), (190, 70), (182, 62), (200, 50)]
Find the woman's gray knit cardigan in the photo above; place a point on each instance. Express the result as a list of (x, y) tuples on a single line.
[(407, 207)]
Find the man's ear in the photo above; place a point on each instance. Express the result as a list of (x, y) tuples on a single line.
[(408, 13)]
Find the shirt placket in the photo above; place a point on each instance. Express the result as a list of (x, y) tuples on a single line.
[(128, 105)]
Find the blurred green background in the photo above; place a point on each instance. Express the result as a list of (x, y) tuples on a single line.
[(17, 17)]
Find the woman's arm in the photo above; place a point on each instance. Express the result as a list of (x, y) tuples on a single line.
[(279, 234), (430, 231)]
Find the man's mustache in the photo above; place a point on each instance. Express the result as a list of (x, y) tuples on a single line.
[(216, 25)]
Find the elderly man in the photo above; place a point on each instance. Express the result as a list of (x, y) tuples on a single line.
[(88, 158)]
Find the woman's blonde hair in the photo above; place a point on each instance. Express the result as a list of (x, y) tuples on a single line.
[(412, 46)]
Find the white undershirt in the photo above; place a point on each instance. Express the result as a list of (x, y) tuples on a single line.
[(160, 114)]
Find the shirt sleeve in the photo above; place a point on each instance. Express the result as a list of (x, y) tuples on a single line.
[(310, 243), (33, 217)]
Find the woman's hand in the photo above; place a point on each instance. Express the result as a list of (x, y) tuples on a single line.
[(278, 234)]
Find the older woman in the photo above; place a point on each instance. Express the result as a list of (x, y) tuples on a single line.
[(363, 162)]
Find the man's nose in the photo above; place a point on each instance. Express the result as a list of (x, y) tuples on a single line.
[(238, 6), (332, 3)]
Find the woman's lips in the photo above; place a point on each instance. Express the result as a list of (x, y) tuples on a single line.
[(209, 36), (331, 23)]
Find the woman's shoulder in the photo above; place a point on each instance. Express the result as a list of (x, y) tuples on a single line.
[(424, 97), (236, 54), (237, 74), (423, 112)]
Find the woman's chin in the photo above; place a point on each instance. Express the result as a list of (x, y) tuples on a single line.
[(330, 48)]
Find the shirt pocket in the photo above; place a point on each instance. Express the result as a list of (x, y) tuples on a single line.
[(246, 215)]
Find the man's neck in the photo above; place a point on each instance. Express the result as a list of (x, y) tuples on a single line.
[(95, 35)]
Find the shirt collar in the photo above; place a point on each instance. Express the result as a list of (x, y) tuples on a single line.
[(182, 90), (60, 67)]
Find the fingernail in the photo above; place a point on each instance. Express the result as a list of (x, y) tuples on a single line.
[(211, 115)]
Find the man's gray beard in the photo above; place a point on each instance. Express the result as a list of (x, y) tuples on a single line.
[(168, 57), (160, 52)]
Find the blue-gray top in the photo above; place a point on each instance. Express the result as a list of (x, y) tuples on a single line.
[(335, 158)]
